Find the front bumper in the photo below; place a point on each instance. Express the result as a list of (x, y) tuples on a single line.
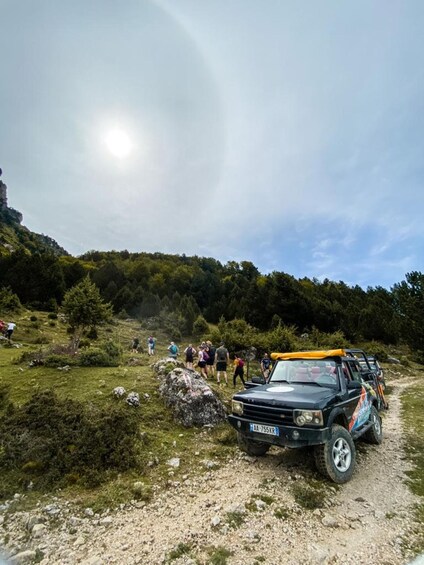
[(289, 436)]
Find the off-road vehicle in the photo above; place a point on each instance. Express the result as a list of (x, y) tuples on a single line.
[(312, 398)]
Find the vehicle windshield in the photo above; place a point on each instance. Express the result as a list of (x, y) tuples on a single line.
[(322, 372)]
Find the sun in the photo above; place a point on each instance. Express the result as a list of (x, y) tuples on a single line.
[(118, 143)]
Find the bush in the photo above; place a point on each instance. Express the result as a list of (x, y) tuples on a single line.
[(34, 358), (112, 349), (33, 318), (108, 354), (200, 326), (95, 357), (322, 340), (4, 395), (281, 338), (52, 316), (238, 334), (9, 302), (48, 440), (55, 360)]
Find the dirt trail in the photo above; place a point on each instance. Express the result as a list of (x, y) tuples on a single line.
[(363, 521)]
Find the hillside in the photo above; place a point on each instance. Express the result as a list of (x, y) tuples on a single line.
[(16, 237)]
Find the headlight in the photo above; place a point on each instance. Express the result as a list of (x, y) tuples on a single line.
[(308, 417), (237, 407)]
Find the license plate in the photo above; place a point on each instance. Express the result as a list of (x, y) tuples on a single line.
[(262, 429)]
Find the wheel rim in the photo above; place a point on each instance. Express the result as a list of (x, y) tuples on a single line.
[(342, 455), (377, 425)]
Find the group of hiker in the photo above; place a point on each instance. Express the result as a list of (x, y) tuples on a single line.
[(212, 361), (151, 344)]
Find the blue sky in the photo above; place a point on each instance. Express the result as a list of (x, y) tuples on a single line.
[(290, 134)]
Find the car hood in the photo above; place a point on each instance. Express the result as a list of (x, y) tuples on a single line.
[(288, 395)]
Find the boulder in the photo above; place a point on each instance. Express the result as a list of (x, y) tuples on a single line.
[(191, 399), (163, 366)]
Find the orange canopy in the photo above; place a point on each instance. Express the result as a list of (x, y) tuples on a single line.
[(309, 354)]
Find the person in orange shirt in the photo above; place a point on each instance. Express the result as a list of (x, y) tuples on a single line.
[(238, 370)]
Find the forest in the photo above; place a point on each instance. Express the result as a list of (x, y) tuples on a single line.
[(178, 289)]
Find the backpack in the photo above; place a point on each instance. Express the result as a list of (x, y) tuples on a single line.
[(205, 356), (240, 363), (173, 349), (151, 340), (189, 351), (221, 354)]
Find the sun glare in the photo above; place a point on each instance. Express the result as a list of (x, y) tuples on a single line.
[(118, 143)]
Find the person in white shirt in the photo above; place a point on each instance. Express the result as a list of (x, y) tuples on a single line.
[(10, 329)]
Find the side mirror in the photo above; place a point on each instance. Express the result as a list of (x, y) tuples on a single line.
[(354, 385)]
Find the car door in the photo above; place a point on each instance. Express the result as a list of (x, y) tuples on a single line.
[(359, 395)]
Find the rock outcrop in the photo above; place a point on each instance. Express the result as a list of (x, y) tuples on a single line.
[(192, 401)]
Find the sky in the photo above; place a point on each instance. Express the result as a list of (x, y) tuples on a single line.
[(286, 133)]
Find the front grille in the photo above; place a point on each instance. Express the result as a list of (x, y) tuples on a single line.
[(268, 414)]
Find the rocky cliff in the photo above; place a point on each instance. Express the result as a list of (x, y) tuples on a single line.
[(14, 236)]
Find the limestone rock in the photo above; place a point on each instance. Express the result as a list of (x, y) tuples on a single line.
[(191, 399)]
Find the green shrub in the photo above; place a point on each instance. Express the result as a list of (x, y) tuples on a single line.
[(55, 360), (200, 326), (95, 357), (112, 349), (33, 318), (4, 395), (52, 316), (9, 302), (281, 338), (51, 440), (33, 357), (107, 354), (322, 340)]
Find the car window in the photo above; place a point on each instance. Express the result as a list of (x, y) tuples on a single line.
[(355, 371), (318, 372)]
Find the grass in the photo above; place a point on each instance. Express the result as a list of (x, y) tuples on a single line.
[(181, 550), (252, 506), (413, 416), (218, 556), (162, 437), (311, 495), (282, 513), (235, 519)]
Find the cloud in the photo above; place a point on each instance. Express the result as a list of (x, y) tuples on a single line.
[(287, 137)]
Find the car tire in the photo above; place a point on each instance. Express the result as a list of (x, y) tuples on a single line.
[(336, 458), (251, 447), (375, 433)]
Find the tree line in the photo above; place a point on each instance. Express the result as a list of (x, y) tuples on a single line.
[(181, 288)]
